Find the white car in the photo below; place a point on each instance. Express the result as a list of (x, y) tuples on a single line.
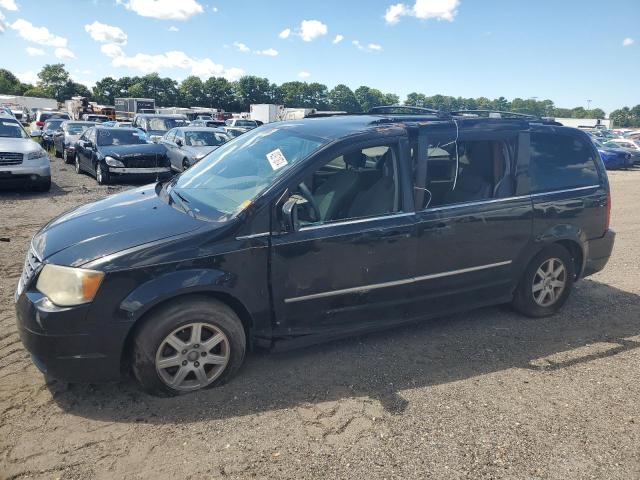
[(41, 117), (626, 143), (241, 123), (22, 161)]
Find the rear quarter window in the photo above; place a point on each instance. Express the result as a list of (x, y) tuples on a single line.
[(560, 162)]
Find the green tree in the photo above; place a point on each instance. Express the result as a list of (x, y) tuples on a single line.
[(342, 98), (369, 97), (191, 92), (390, 99), (251, 89), (53, 79), (10, 84), (106, 90), (219, 93)]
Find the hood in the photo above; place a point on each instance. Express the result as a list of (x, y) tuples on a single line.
[(613, 151), (119, 151), (18, 145), (72, 137), (200, 151), (119, 222)]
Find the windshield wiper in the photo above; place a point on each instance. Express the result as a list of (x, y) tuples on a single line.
[(182, 202)]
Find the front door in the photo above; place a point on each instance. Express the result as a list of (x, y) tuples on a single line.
[(349, 264)]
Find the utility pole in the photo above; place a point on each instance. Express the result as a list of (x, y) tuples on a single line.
[(588, 105)]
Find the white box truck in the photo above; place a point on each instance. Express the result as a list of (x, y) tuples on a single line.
[(265, 112)]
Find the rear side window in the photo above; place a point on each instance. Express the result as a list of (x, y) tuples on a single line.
[(560, 162)]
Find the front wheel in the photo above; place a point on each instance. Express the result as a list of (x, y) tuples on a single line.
[(102, 175), (546, 283), (189, 345)]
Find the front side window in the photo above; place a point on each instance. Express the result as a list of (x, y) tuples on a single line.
[(229, 178), (359, 183), (560, 162)]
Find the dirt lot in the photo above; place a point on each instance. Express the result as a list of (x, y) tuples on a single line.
[(486, 394)]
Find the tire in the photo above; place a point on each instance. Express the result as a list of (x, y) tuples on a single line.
[(44, 186), (102, 177), (549, 297), (185, 164), (151, 345), (78, 167), (66, 157), (55, 152)]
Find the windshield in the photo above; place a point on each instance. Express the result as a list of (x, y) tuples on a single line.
[(229, 178), (52, 124), (113, 136), (159, 124), (203, 139), (77, 128), (12, 130), (245, 123), (45, 116)]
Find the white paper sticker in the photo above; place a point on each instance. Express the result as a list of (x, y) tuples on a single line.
[(276, 159)]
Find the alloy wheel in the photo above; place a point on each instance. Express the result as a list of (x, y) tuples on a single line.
[(99, 174), (192, 356), (549, 282), (78, 170)]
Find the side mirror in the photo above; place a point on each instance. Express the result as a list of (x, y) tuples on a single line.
[(290, 215), (178, 142)]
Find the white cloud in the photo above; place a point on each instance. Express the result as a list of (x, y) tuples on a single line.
[(214, 9), (27, 77), (304, 74), (146, 63), (39, 35), (269, 52), (241, 47), (311, 29), (173, 28), (372, 47), (284, 34), (424, 10), (104, 33), (627, 42), (338, 38), (9, 5), (163, 9), (3, 25), (64, 54), (34, 52)]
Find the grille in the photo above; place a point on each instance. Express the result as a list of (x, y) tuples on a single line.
[(145, 162), (10, 158), (32, 265)]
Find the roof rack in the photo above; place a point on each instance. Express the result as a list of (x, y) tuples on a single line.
[(495, 114), (404, 110)]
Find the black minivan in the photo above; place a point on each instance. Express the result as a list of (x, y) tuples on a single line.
[(313, 229)]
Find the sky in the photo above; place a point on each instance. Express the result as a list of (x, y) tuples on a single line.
[(569, 51)]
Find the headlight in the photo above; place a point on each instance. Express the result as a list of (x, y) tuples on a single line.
[(112, 162), (66, 286), (36, 154)]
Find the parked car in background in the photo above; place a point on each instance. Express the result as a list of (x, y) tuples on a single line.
[(204, 117), (308, 230), (48, 130), (65, 138), (207, 123), (92, 117), (122, 124), (110, 123), (232, 132), (631, 146), (613, 158), (42, 116), (188, 145), (23, 162), (156, 125), (241, 123), (114, 154)]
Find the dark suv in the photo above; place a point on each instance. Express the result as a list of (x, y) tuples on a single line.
[(307, 230)]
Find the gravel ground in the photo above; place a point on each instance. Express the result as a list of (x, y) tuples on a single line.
[(485, 394)]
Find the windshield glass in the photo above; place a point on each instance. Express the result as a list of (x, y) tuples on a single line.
[(12, 130), (120, 136), (222, 184), (45, 116), (203, 139), (52, 124), (77, 128), (159, 124), (245, 123)]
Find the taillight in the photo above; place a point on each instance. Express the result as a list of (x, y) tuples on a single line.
[(607, 218), (40, 124)]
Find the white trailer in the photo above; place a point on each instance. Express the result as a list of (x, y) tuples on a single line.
[(295, 113), (585, 122), (265, 112), (30, 103)]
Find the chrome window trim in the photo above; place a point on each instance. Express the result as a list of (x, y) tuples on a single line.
[(253, 235), (406, 281), (354, 221), (566, 190)]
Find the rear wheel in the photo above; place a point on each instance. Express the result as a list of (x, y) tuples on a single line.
[(546, 283), (189, 345)]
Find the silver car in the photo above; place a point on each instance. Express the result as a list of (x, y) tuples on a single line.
[(65, 138), (188, 145), (22, 161)]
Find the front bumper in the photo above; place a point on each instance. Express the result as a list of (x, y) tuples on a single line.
[(65, 344), (30, 171), (139, 171), (598, 253)]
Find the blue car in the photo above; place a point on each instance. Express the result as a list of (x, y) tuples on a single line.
[(613, 158)]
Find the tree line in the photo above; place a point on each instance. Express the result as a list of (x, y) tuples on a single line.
[(54, 81)]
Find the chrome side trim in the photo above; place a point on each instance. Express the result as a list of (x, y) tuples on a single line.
[(358, 220), (253, 235), (375, 286), (478, 202), (577, 189)]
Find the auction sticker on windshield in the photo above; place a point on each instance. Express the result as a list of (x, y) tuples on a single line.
[(276, 159)]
